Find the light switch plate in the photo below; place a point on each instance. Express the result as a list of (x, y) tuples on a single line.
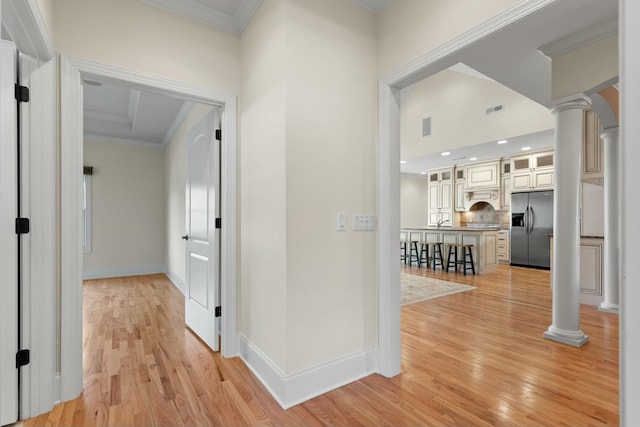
[(341, 221)]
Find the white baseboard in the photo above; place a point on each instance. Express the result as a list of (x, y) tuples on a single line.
[(57, 390), (177, 281), (294, 389), (126, 271)]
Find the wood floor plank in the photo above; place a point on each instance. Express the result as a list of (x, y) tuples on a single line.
[(475, 358)]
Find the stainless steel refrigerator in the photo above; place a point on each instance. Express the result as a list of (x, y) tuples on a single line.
[(531, 224)]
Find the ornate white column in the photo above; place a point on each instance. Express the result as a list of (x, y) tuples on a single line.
[(565, 327), (611, 215)]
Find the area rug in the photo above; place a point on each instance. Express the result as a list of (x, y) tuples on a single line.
[(414, 288)]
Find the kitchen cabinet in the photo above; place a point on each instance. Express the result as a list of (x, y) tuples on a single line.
[(591, 209), (592, 160), (532, 172), (591, 273), (483, 175), (503, 246), (459, 188), (440, 197), (505, 184), (505, 192)]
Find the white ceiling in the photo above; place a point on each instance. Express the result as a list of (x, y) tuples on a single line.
[(114, 112), (480, 152), (519, 57)]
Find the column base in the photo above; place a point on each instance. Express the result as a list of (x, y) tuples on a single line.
[(609, 308), (573, 338)]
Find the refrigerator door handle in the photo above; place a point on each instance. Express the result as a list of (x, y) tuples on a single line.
[(531, 219), (526, 219)]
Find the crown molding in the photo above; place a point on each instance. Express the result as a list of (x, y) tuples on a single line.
[(232, 23), (579, 39)]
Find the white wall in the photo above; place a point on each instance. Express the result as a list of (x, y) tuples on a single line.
[(128, 215), (263, 222), (331, 167), (457, 106), (175, 163), (140, 37), (308, 122), (413, 201), (408, 29)]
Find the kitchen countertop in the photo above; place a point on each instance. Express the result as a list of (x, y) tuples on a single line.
[(466, 229)]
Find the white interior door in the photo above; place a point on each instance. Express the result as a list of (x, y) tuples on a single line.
[(8, 237), (203, 238)]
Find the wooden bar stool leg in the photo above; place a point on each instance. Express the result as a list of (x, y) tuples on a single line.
[(473, 267)]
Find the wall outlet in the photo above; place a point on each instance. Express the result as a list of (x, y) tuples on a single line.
[(362, 222)]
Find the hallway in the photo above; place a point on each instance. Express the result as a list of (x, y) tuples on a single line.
[(473, 358)]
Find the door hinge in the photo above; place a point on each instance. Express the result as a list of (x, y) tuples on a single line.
[(22, 93), (22, 225), (218, 222), (218, 134), (22, 358), (219, 311)]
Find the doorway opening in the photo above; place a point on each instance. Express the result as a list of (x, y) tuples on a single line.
[(75, 72)]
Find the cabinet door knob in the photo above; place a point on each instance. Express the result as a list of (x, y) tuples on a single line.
[(185, 237)]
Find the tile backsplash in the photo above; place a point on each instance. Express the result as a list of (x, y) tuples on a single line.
[(486, 217)]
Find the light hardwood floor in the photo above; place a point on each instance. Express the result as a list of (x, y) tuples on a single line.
[(475, 358)]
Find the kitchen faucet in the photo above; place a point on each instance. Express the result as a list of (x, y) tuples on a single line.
[(442, 221)]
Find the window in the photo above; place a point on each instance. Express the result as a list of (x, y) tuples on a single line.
[(86, 213)]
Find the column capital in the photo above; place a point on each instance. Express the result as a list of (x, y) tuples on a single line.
[(575, 102), (609, 134)]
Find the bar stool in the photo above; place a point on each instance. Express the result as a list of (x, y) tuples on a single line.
[(424, 252), (467, 258), (437, 255), (404, 240), (413, 249)]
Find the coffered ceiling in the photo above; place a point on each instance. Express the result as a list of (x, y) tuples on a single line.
[(116, 113)]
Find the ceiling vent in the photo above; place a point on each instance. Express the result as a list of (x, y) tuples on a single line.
[(426, 126), (495, 109)]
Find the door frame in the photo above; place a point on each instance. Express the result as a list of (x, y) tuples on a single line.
[(389, 104), (72, 70), (39, 390)]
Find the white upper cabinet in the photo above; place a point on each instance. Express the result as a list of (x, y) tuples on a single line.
[(532, 172), (440, 197), (484, 175), (459, 189)]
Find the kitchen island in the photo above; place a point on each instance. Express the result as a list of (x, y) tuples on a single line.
[(484, 241)]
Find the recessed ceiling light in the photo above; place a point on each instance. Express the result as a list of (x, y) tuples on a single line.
[(526, 148), (423, 173), (502, 141), (402, 162), (473, 159), (445, 153)]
